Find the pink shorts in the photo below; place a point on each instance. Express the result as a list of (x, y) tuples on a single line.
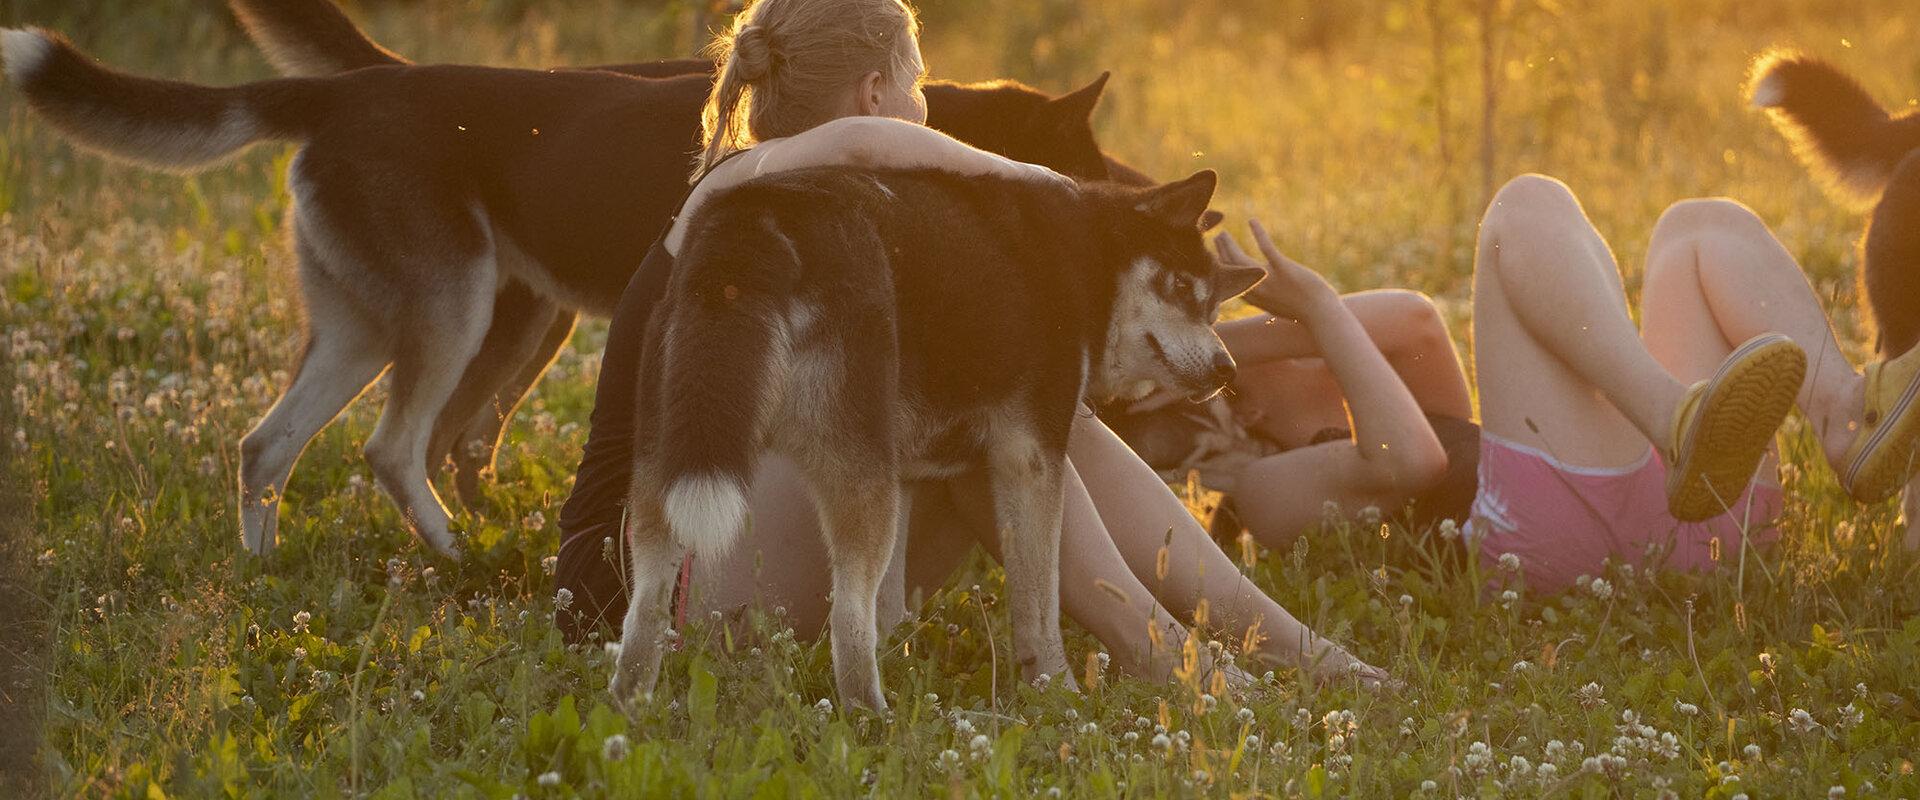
[(1564, 521)]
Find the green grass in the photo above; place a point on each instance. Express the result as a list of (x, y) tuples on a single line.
[(149, 320)]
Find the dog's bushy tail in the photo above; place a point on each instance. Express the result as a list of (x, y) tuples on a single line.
[(724, 360), (1845, 136), (309, 38), (168, 125)]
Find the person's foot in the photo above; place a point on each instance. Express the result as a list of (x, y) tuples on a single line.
[(1885, 452), (1724, 425)]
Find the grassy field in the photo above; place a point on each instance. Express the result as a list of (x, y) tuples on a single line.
[(149, 320)]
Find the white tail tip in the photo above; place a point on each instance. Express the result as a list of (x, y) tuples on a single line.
[(706, 513), (1769, 92), (24, 50)]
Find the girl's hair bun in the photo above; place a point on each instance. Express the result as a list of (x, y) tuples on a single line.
[(752, 53)]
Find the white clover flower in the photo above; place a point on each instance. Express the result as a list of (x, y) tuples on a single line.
[(563, 599), (1590, 695), (614, 748), (1510, 562), (419, 696), (1801, 722), (1752, 752), (825, 706), (1686, 709), (1849, 716), (1836, 793), (1449, 530), (1601, 588), (1428, 785), (1160, 741), (1519, 765), (550, 564), (549, 779), (300, 621), (1522, 666), (1253, 742), (1547, 772), (962, 725), (1406, 601), (1245, 715), (1209, 701), (1090, 728), (1130, 737)]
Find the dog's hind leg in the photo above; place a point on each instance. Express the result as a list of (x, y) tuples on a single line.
[(859, 508), (438, 341), (654, 566), (343, 355), (474, 460), (1027, 481)]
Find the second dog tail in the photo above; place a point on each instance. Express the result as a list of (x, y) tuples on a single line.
[(309, 38), (724, 361), (1845, 136), (169, 125)]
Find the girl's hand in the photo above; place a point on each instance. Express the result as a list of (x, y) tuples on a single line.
[(1022, 171), (1290, 290)]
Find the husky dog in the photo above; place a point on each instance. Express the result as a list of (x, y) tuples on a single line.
[(881, 326), (427, 200), (311, 38), (1869, 160)]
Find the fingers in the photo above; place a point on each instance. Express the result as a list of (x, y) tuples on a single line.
[(1265, 243), (1230, 251)]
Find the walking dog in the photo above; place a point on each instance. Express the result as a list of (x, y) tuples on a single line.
[(449, 222), (312, 38), (885, 326)]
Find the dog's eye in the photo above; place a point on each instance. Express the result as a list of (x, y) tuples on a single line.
[(1183, 284)]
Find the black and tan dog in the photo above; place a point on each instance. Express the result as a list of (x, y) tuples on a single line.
[(313, 38), (885, 326), (1868, 159), (450, 222)]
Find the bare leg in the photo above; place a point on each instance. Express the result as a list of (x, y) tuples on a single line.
[(1141, 517), (1558, 360), (1717, 277)]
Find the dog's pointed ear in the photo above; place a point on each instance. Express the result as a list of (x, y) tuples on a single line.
[(1076, 108), (1183, 203), (1211, 220), (1231, 282)]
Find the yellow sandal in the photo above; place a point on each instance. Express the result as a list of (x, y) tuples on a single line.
[(1723, 426)]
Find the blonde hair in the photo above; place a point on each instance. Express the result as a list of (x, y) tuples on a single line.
[(784, 60)]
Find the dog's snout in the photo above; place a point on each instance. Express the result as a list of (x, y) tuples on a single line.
[(1223, 368)]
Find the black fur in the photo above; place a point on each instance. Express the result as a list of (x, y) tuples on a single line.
[(1866, 157)]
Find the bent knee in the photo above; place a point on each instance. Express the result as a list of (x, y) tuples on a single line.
[(1403, 319), (1531, 195), (1705, 215)]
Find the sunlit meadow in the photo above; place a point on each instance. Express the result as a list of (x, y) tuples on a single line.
[(149, 320)]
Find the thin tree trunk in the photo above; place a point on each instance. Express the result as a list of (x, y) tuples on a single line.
[(1490, 94)]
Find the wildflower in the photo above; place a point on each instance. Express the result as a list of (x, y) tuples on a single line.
[(300, 621), (563, 599), (534, 520), (1406, 727), (981, 746), (1090, 728), (1449, 530), (1836, 793), (1245, 715), (419, 696), (1520, 766), (949, 759), (1601, 589), (1428, 785), (1508, 597), (1555, 749), (1752, 752), (1209, 701), (1406, 601), (1522, 666), (1686, 709), (1801, 722), (1590, 695), (1253, 742), (614, 748), (824, 707), (1161, 742), (1849, 716), (1547, 772), (1510, 562), (1130, 737), (549, 779), (550, 564)]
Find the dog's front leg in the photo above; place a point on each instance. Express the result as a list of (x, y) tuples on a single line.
[(1027, 480)]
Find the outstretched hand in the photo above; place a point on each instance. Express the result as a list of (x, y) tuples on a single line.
[(1291, 290)]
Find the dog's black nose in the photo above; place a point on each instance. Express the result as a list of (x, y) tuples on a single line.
[(1223, 369)]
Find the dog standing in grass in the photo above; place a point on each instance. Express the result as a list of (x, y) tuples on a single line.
[(450, 222), (885, 326), (1869, 160)]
